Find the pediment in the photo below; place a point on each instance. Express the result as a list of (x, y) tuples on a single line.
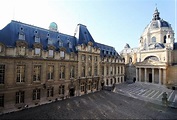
[(150, 62)]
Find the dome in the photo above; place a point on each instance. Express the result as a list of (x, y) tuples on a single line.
[(53, 26), (157, 22)]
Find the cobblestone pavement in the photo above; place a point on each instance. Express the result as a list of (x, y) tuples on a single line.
[(147, 91), (98, 105)]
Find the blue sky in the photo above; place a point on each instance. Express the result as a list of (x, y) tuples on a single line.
[(111, 22)]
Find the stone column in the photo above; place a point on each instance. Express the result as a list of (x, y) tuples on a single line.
[(145, 74), (160, 74), (139, 74), (152, 75), (164, 76)]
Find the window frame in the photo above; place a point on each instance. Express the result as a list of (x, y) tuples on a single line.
[(37, 76), (2, 73), (20, 73)]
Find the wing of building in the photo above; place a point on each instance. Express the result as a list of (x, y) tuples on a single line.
[(40, 65), (155, 59)]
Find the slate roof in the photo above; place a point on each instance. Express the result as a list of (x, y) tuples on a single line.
[(107, 51), (10, 34)]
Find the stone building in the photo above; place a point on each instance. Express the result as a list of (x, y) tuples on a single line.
[(155, 60), (38, 65)]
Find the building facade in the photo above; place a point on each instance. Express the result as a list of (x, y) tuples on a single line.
[(155, 60), (38, 65)]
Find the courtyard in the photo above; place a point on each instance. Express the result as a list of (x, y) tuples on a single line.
[(99, 105)]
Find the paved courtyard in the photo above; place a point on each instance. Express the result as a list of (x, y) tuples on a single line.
[(98, 105), (147, 91)]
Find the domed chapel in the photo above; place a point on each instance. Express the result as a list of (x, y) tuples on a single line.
[(155, 59)]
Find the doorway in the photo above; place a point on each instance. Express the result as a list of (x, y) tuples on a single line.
[(71, 91), (150, 77)]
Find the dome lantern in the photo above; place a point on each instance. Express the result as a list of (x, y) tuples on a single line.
[(53, 27)]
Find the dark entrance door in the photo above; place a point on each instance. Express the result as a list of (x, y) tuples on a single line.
[(71, 91), (134, 79), (150, 78)]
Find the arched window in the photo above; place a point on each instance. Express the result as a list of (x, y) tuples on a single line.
[(153, 39), (130, 60), (164, 39)]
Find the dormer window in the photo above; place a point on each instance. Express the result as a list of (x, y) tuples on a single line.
[(37, 51), (21, 47), (21, 50), (62, 54), (70, 45), (89, 48), (37, 39), (60, 43), (21, 36), (51, 53), (49, 41)]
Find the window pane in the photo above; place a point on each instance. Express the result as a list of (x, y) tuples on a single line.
[(2, 74), (37, 39), (37, 51), (62, 54), (51, 53)]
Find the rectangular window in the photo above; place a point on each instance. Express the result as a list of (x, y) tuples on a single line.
[(102, 70), (50, 92), (1, 100), (20, 97), (36, 73), (62, 72), (107, 70), (2, 74), (20, 73), (83, 71), (49, 41), (50, 72), (37, 39), (72, 72), (62, 89), (50, 53), (95, 71), (83, 57), (118, 70), (21, 50), (60, 43), (62, 54), (111, 70), (36, 94), (21, 36), (37, 51), (96, 59), (90, 58), (90, 71)]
